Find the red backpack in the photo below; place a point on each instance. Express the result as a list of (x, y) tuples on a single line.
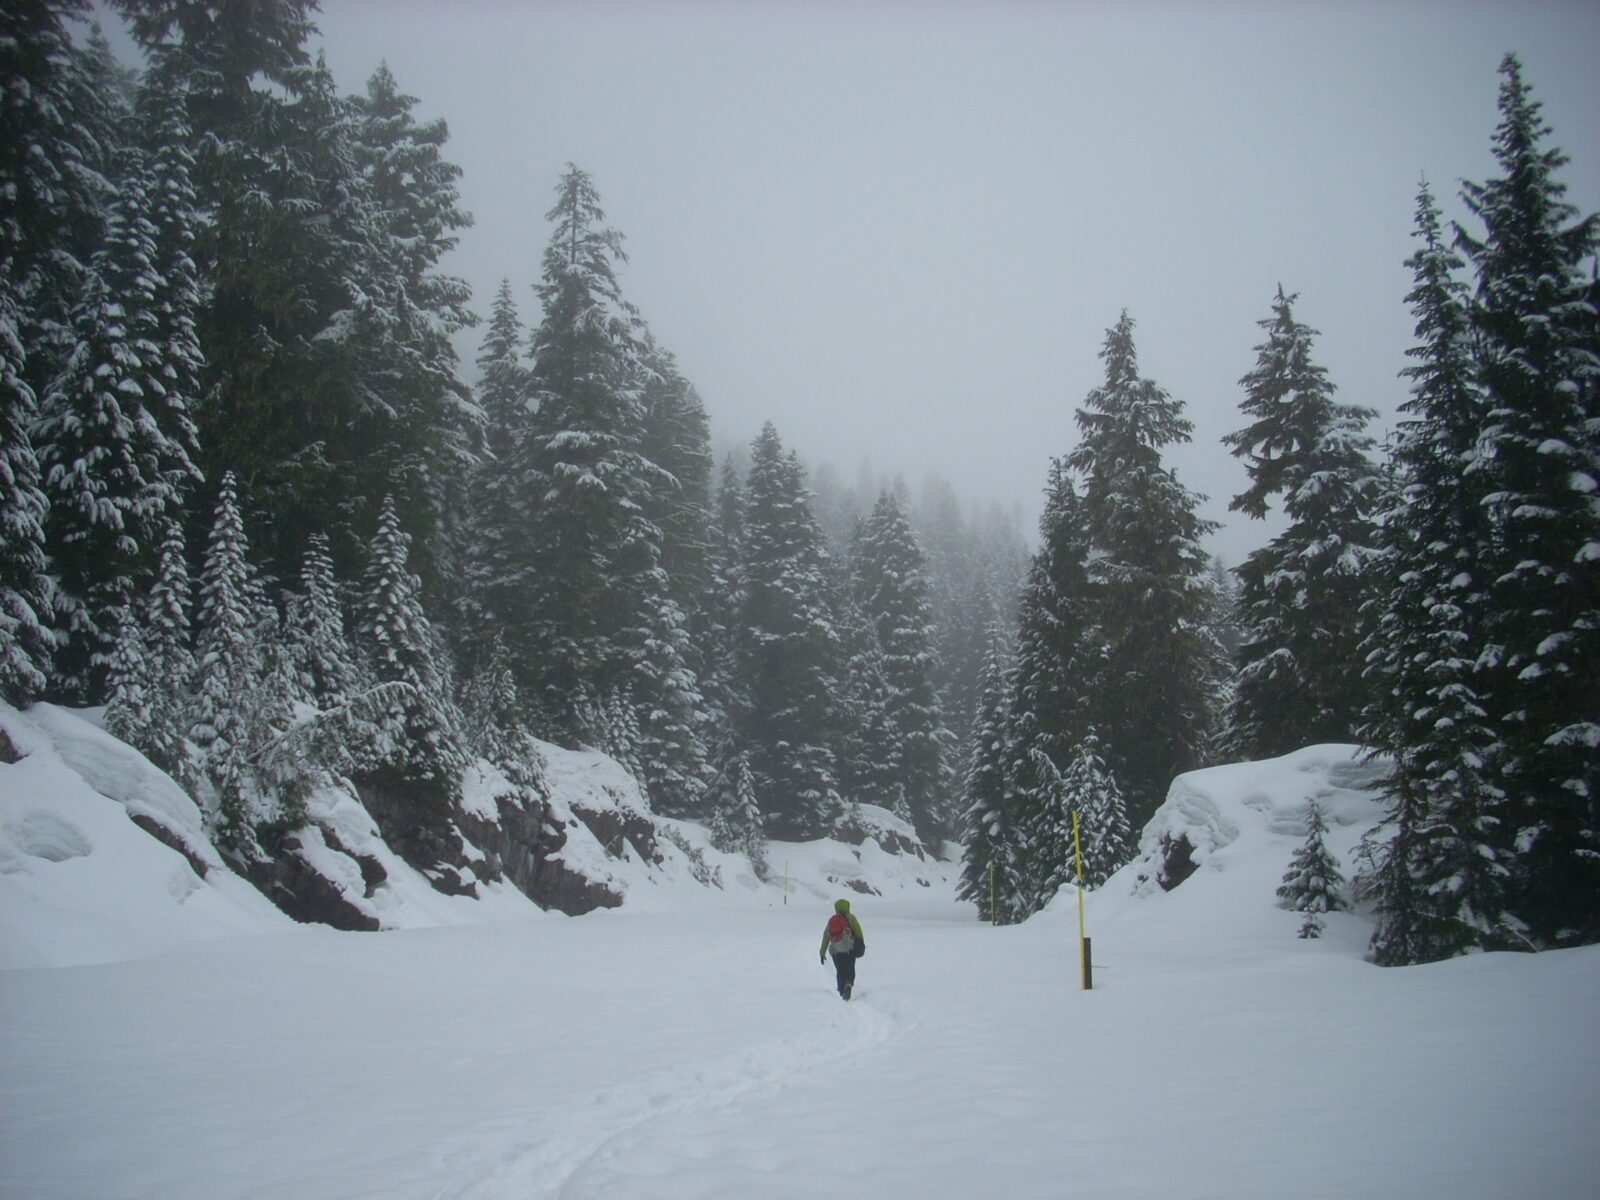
[(839, 931)]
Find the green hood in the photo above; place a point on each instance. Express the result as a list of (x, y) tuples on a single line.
[(841, 906)]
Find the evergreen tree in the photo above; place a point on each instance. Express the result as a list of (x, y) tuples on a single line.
[(1301, 595), (1147, 577), (503, 398), (1440, 878), (1313, 884), (675, 435), (989, 873), (1059, 661), (570, 563), (54, 189), (1093, 792), (1050, 864), (1539, 456), (99, 448), (176, 374), (27, 590), (892, 589), (789, 649), (422, 741), (411, 311), (736, 816), (321, 655), (226, 665), (871, 758)]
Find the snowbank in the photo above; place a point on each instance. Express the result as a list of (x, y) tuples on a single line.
[(103, 857), (1212, 858), (80, 881)]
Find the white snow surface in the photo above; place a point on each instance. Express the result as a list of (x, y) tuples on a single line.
[(689, 1044)]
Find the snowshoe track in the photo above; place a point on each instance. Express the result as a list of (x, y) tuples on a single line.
[(537, 1163)]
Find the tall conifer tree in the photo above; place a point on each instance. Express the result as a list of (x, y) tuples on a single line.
[(1539, 456), (1301, 595)]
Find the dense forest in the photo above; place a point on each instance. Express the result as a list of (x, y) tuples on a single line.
[(254, 507)]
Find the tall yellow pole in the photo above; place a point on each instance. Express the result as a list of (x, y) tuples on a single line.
[(1077, 849)]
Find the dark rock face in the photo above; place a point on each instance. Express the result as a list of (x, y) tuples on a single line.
[(284, 876), (418, 822), (170, 840), (1177, 862), (521, 847), (8, 752)]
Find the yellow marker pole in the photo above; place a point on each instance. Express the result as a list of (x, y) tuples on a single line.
[(1083, 941)]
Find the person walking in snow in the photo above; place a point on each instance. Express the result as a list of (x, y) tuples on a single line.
[(842, 937)]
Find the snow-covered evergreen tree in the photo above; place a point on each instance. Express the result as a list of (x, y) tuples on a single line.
[(1441, 874), (27, 590), (735, 815), (789, 649), (1301, 595), (1059, 658), (1313, 884), (892, 590), (1093, 792), (100, 446), (871, 761), (1539, 457), (989, 873), (323, 659), (1147, 578), (226, 664), (422, 740), (408, 310)]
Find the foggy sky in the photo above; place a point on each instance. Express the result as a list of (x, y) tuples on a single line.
[(903, 229)]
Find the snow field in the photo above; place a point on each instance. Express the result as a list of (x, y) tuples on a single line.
[(705, 1055)]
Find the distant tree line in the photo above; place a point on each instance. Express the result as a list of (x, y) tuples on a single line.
[(250, 504)]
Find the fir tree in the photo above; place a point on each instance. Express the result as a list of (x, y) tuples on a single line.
[(99, 447), (989, 874), (1147, 579), (736, 816), (1440, 879), (1313, 884), (1093, 792), (422, 742), (789, 649), (1538, 453), (27, 590), (321, 654), (226, 665), (1059, 661), (1301, 595), (892, 589), (571, 563)]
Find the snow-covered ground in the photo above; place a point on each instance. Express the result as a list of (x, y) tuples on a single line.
[(690, 1044)]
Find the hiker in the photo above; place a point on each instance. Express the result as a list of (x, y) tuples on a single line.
[(842, 937)]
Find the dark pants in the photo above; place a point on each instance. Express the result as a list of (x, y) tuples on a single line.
[(844, 966)]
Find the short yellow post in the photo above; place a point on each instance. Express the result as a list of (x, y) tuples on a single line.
[(1083, 940)]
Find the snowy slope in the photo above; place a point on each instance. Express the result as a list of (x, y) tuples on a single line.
[(81, 882), (677, 1048)]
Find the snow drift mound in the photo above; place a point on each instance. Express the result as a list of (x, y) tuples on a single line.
[(102, 856), (1212, 858)]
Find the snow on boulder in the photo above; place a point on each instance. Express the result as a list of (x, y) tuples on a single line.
[(1212, 858), (102, 856)]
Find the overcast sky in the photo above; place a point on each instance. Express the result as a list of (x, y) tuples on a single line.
[(902, 229)]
